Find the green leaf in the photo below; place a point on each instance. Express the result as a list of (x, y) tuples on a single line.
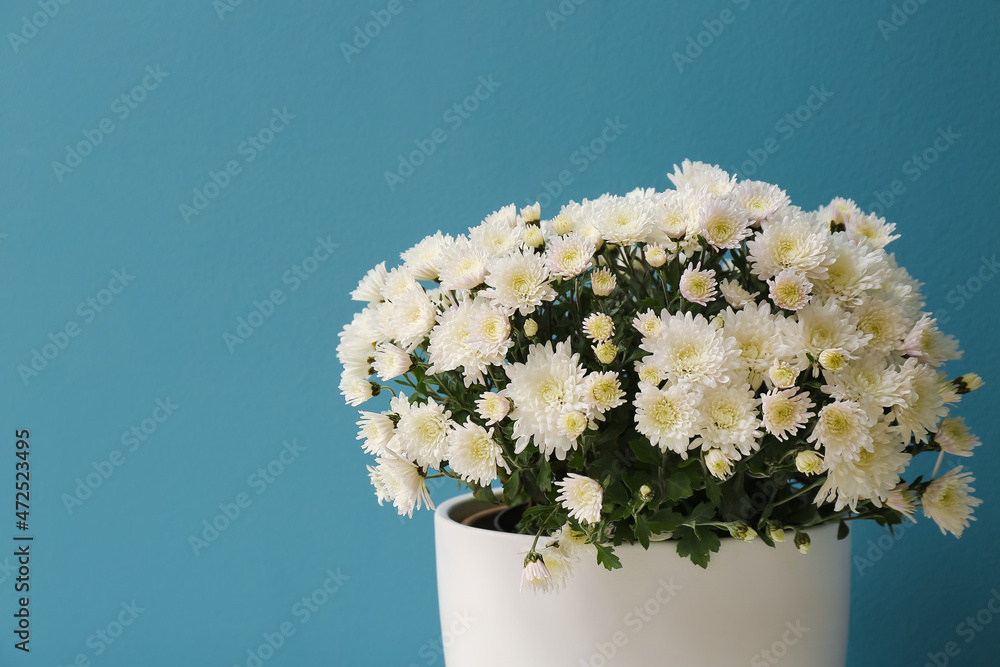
[(513, 485), (642, 532), (843, 531), (665, 521), (617, 493), (678, 486), (544, 475), (486, 495), (702, 513), (713, 491), (645, 452), (697, 546), (606, 557)]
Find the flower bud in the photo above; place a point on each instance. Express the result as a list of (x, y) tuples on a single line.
[(775, 531), (966, 383), (833, 359), (802, 542), (562, 225), (656, 256), (809, 463), (782, 375), (742, 531), (645, 493), (533, 237), (532, 214), (606, 352), (718, 464), (603, 282), (530, 328)]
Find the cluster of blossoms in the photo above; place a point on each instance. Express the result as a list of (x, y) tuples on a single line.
[(682, 365)]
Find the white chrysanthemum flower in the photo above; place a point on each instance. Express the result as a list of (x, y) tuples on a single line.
[(869, 382), (785, 412), (809, 463), (473, 335), (623, 220), (673, 217), (903, 289), (924, 406), (824, 325), (759, 200), (356, 349), (790, 290), (390, 361), (370, 287), (356, 388), (718, 464), (530, 327), (734, 294), (760, 337), (535, 576), (870, 229), (376, 429), (492, 407), (843, 429), (926, 343), (473, 454), (903, 500), (533, 237), (489, 332), (649, 374), (605, 351), (582, 215), (793, 242), (872, 477), (398, 282), (532, 213), (602, 282), (691, 350), (519, 282), (400, 482), (655, 255), (559, 563), (547, 385), (854, 270), (837, 212), (582, 496), (410, 318), (561, 225), (834, 359), (697, 286), (948, 501), (604, 391), (573, 424), (573, 542), (423, 259), (954, 437), (462, 265), (421, 432), (498, 234), (722, 223), (884, 320), (728, 420), (699, 175), (667, 416), (598, 327), (782, 375), (648, 324)]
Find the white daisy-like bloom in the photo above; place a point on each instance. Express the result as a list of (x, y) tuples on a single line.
[(400, 482), (560, 225), (423, 259), (390, 361), (722, 223), (869, 228), (421, 433), (926, 343), (376, 429), (370, 287), (697, 286), (782, 374), (924, 407), (655, 255), (884, 320), (535, 575), (489, 332), (605, 351), (533, 237), (834, 359), (623, 220), (790, 290), (410, 318), (398, 282), (954, 437), (759, 200), (573, 542), (582, 216), (760, 337), (734, 294), (603, 282), (648, 324), (796, 242), (356, 388), (547, 385), (473, 454), (903, 500), (559, 564), (572, 424), (492, 407), (785, 412), (668, 416), (824, 325), (532, 213), (809, 463), (692, 351), (570, 255), (598, 327), (582, 496), (872, 477), (496, 237), (673, 217), (948, 501), (473, 336), (902, 289), (462, 265), (603, 391), (843, 429), (699, 175), (728, 420), (649, 374), (358, 339), (854, 270), (718, 464), (518, 282), (868, 381)]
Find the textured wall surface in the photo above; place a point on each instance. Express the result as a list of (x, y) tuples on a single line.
[(168, 166)]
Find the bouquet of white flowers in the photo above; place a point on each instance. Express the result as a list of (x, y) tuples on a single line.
[(679, 365)]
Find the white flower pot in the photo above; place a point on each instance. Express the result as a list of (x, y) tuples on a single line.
[(753, 606)]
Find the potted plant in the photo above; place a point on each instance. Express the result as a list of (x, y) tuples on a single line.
[(654, 380)]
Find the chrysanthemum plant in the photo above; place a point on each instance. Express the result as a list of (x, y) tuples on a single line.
[(685, 365)]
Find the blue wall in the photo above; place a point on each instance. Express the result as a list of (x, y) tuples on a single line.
[(890, 84)]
